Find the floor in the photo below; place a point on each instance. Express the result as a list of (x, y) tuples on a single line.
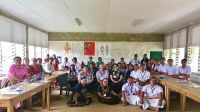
[(59, 105)]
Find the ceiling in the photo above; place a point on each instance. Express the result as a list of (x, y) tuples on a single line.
[(107, 16)]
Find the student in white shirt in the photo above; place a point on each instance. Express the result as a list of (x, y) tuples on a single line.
[(65, 65), (134, 72), (152, 96), (162, 67), (135, 60), (184, 70), (130, 93), (172, 70), (142, 75), (76, 64), (102, 74), (48, 67)]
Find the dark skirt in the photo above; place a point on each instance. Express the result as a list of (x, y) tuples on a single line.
[(117, 87)]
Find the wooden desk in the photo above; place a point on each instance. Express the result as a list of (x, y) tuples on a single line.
[(184, 88), (55, 74), (30, 89)]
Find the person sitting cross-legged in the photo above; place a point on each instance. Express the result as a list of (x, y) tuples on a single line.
[(152, 96), (106, 95), (130, 92), (79, 96)]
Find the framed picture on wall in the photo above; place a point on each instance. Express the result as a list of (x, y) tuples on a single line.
[(104, 50), (89, 48)]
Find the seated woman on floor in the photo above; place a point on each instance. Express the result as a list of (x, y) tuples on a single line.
[(152, 96), (90, 78), (79, 96), (17, 73), (106, 94), (72, 76), (130, 92), (116, 79)]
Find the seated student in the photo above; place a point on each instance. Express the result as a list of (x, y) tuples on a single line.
[(162, 67), (142, 75), (90, 78), (152, 96), (102, 74), (123, 69), (106, 94), (17, 73), (112, 63), (128, 71), (48, 67), (122, 61), (116, 79), (99, 62), (184, 70), (37, 70), (93, 70), (145, 59), (130, 93), (65, 65), (76, 64), (72, 76), (172, 70), (134, 72), (29, 68), (79, 96), (55, 64), (90, 62), (135, 60), (155, 66)]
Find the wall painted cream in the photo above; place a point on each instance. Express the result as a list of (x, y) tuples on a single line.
[(117, 49)]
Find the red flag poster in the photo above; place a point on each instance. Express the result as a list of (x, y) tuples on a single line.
[(89, 48)]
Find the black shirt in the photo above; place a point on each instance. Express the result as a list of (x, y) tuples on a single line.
[(116, 75), (79, 88), (106, 92)]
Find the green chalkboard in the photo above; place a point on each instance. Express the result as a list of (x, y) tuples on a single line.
[(157, 55)]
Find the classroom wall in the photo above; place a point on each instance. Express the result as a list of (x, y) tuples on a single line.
[(118, 44), (116, 49)]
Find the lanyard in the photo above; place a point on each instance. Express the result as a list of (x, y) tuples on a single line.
[(130, 87), (152, 89), (143, 74)]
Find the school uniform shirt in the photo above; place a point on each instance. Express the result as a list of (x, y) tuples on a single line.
[(131, 92), (134, 74), (77, 66), (172, 70), (66, 65), (155, 67), (186, 70), (102, 75), (72, 75), (134, 61), (150, 91), (162, 68), (143, 76), (48, 67)]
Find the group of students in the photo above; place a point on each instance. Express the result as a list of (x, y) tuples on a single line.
[(126, 83), (130, 83)]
